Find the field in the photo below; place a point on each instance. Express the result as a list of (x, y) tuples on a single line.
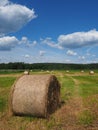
[(79, 103)]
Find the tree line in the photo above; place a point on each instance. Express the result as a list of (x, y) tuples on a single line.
[(46, 66)]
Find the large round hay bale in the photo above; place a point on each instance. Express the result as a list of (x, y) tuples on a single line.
[(35, 95)]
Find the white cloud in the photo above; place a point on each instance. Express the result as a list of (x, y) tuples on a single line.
[(34, 43), (48, 41), (27, 56), (14, 16), (78, 39), (7, 43), (71, 53), (4, 2), (74, 40), (27, 42), (42, 53), (24, 40), (82, 57)]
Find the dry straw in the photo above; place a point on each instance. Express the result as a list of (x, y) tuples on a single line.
[(91, 72), (35, 95), (26, 72)]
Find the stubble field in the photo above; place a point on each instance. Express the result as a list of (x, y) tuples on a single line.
[(79, 103)]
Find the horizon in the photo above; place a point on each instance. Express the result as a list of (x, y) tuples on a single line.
[(48, 63)]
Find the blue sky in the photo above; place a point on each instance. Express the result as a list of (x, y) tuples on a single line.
[(61, 31)]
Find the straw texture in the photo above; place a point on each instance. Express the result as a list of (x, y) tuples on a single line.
[(35, 95)]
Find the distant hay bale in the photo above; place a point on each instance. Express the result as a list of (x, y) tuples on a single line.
[(47, 71), (91, 72), (67, 71), (35, 95), (82, 71), (26, 72)]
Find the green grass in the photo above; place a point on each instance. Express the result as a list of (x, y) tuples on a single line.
[(88, 90), (67, 87), (2, 104), (5, 85), (88, 85), (6, 81)]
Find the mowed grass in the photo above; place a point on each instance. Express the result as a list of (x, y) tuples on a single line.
[(67, 87), (5, 85), (63, 118), (88, 85)]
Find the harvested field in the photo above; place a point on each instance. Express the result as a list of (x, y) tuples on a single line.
[(78, 110)]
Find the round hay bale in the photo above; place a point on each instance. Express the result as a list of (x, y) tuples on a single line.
[(26, 72), (67, 71), (82, 71), (35, 95), (91, 72), (47, 71)]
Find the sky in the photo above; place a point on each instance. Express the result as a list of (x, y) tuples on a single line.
[(53, 31)]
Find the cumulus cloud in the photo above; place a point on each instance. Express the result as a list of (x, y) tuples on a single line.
[(82, 57), (42, 53), (74, 40), (4, 2), (78, 39), (7, 43), (14, 16), (34, 42), (24, 40), (48, 41), (71, 53), (27, 56), (27, 42)]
